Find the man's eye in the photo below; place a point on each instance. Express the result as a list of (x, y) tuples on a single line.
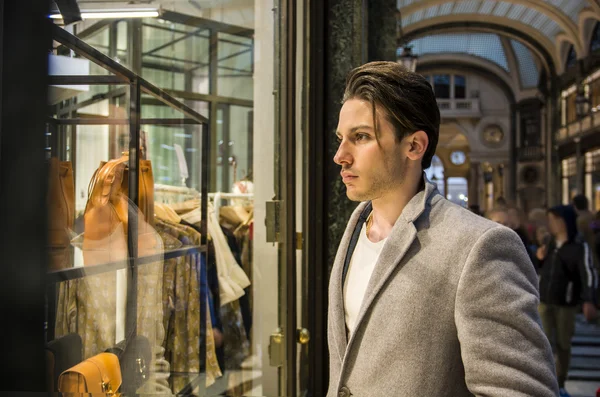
[(361, 137), (338, 139)]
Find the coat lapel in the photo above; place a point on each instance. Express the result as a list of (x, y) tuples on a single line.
[(336, 301), (398, 243)]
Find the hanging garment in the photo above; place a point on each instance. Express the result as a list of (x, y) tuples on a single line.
[(94, 307), (232, 279), (61, 213), (182, 292)]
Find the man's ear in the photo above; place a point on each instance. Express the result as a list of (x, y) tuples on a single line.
[(418, 144)]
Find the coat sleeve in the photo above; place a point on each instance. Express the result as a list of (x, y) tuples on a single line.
[(503, 347), (587, 273)]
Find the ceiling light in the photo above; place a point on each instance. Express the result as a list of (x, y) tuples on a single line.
[(115, 13)]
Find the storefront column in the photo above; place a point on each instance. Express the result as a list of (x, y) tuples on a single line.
[(382, 26)]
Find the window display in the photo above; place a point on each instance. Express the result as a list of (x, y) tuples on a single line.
[(161, 243), (592, 179), (126, 288)]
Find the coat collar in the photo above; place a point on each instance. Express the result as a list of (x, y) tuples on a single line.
[(399, 241)]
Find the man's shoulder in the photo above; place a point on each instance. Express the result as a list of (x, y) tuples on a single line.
[(446, 214)]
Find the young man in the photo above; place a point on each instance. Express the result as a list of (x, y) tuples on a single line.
[(425, 298), (567, 278)]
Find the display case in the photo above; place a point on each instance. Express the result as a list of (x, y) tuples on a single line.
[(127, 275)]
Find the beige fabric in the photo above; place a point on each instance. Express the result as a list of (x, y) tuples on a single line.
[(451, 310)]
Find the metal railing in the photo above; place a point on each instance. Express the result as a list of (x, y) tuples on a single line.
[(579, 127), (459, 107)]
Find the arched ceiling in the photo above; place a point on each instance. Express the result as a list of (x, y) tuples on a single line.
[(541, 24), (512, 59)]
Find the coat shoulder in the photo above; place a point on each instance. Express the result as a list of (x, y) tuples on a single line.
[(447, 215)]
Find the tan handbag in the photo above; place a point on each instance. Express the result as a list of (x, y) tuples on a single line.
[(98, 374), (106, 212), (61, 213)]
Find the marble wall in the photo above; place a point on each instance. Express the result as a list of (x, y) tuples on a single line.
[(349, 32)]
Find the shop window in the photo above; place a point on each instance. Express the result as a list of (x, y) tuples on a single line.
[(570, 108), (441, 86), (595, 41), (460, 87), (569, 179), (595, 93), (592, 179), (571, 58)]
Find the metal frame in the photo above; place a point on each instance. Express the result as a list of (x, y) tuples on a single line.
[(205, 28), (136, 85)]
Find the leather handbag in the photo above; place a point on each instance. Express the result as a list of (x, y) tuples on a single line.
[(135, 356), (108, 207), (61, 212), (98, 374)]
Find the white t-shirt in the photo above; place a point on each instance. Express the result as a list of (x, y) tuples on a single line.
[(361, 267)]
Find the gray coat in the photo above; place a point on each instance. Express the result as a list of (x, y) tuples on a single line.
[(450, 310)]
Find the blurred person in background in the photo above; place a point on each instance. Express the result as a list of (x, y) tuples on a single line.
[(567, 279), (498, 215), (585, 219), (516, 223)]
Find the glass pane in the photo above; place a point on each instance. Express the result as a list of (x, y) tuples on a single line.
[(441, 86), (229, 349), (235, 66), (100, 41), (460, 87)]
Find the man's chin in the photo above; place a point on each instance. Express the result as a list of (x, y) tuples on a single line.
[(355, 196)]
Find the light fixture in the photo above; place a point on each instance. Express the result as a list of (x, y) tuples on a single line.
[(408, 59), (115, 13)]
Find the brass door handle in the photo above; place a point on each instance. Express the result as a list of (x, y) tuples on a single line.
[(303, 336)]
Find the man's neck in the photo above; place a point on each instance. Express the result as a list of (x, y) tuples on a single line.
[(388, 208)]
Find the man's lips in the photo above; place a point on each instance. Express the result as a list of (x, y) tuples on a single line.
[(347, 177)]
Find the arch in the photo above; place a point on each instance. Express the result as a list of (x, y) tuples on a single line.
[(462, 62), (553, 13), (587, 21), (494, 24), (570, 58), (511, 58), (594, 38), (541, 54)]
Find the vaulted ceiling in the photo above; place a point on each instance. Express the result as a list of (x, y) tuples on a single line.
[(539, 32)]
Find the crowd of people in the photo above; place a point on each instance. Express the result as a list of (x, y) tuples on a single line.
[(563, 243)]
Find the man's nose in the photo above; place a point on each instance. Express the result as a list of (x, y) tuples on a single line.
[(342, 156)]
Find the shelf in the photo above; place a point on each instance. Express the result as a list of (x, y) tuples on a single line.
[(58, 276)]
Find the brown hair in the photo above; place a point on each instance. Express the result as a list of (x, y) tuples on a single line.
[(406, 97)]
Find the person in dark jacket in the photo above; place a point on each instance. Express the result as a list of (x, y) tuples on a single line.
[(567, 278)]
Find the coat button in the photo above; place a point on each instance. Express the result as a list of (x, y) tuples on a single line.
[(344, 392)]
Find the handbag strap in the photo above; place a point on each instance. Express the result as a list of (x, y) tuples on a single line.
[(354, 240)]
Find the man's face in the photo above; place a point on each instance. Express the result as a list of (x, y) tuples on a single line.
[(370, 169), (556, 224)]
